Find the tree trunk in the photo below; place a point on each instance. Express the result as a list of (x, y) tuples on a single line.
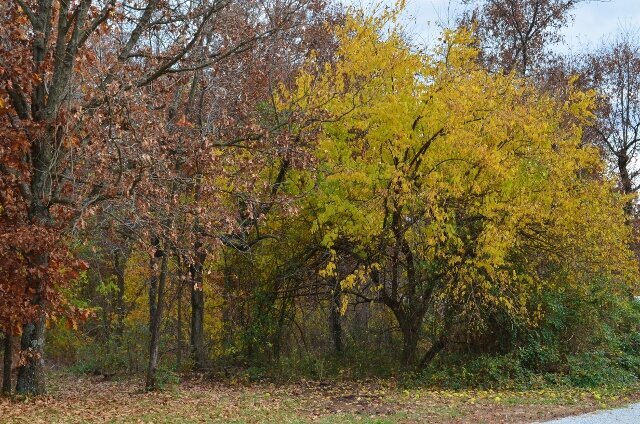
[(7, 364), (436, 348), (119, 265), (227, 316), (625, 180), (409, 344), (31, 379), (336, 323), (197, 310), (179, 327), (410, 322), (151, 383), (31, 375), (153, 292), (277, 335)]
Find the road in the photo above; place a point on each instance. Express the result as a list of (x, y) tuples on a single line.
[(627, 415)]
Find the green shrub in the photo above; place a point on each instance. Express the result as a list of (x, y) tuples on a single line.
[(596, 369)]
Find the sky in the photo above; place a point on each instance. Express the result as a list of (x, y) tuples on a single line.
[(594, 21)]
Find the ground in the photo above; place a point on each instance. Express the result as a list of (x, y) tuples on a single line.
[(75, 399)]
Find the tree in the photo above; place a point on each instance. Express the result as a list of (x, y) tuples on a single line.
[(457, 192), (613, 71), (515, 35), (73, 76), (7, 367)]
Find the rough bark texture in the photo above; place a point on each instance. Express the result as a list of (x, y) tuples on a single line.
[(7, 364), (31, 375), (410, 337)]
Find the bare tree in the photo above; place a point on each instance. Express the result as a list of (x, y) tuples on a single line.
[(613, 71), (515, 35)]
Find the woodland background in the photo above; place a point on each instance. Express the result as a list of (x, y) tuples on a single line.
[(288, 189)]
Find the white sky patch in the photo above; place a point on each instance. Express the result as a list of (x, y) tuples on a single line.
[(593, 21)]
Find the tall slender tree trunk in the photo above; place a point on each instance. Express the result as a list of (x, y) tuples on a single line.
[(179, 326), (153, 283), (198, 353), (151, 383), (119, 265), (7, 363), (153, 295), (227, 316), (334, 316), (277, 335)]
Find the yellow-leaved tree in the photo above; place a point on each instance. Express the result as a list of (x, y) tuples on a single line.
[(454, 192)]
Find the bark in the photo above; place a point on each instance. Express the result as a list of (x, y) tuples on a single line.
[(198, 353), (179, 327), (410, 337), (625, 180), (153, 295), (7, 364), (31, 378), (151, 383), (525, 59), (153, 284)]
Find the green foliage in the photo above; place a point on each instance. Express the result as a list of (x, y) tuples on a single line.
[(63, 343), (107, 287), (587, 342), (166, 377), (127, 353), (450, 193)]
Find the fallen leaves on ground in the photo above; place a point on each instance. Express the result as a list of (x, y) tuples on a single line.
[(74, 399)]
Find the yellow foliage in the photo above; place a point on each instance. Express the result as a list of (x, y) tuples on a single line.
[(481, 176)]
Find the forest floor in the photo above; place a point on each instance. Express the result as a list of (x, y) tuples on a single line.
[(76, 399)]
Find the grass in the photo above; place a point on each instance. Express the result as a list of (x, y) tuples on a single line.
[(84, 399)]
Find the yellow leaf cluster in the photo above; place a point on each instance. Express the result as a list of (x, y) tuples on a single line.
[(486, 174)]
